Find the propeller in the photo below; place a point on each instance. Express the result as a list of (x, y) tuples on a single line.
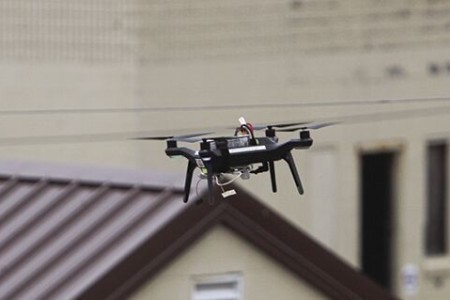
[(189, 138), (312, 126), (278, 125)]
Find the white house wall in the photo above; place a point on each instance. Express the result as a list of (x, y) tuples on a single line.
[(222, 252)]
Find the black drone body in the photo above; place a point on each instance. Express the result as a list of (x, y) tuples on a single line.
[(240, 155)]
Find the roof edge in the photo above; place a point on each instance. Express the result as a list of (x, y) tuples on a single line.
[(299, 252), (89, 174)]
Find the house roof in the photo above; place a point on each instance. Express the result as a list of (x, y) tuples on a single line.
[(71, 232)]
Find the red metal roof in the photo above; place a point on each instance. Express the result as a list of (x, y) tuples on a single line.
[(61, 229), (87, 233)]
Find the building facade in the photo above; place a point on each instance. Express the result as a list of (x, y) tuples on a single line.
[(377, 180)]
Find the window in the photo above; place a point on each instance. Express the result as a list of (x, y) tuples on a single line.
[(436, 218), (218, 287), (377, 215)]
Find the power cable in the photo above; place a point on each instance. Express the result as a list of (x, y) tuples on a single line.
[(122, 136), (118, 110)]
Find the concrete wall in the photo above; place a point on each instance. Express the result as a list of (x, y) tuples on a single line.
[(64, 55)]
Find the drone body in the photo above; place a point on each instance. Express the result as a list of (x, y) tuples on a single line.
[(239, 155)]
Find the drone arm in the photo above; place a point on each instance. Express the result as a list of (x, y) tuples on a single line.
[(182, 151), (290, 161), (295, 144)]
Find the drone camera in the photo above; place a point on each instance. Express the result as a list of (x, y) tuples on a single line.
[(245, 174)]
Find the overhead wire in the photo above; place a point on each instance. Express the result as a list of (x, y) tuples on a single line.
[(120, 136), (69, 139), (122, 110)]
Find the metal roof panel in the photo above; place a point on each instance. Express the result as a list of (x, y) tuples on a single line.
[(59, 234)]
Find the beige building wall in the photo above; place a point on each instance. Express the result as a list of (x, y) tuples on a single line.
[(58, 56), (276, 52), (206, 63), (222, 252)]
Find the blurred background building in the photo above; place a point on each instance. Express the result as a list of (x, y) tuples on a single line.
[(376, 185)]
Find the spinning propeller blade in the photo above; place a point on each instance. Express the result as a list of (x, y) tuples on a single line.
[(190, 138), (312, 126), (278, 125)]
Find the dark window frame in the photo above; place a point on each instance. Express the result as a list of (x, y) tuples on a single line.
[(436, 223)]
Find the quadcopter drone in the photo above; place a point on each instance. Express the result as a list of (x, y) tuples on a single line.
[(240, 155)]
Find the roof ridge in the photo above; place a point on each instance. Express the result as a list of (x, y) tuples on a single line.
[(90, 174)]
